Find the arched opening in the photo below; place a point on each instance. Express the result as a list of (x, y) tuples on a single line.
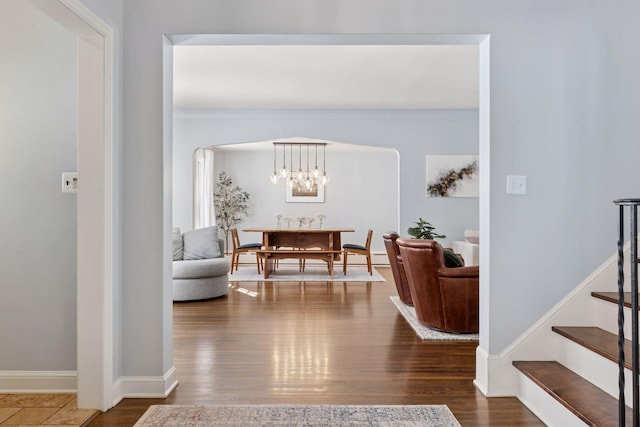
[(363, 168)]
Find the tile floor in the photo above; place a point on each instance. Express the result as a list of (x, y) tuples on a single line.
[(59, 410)]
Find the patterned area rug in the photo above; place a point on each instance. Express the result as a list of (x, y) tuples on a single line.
[(310, 274), (409, 313), (297, 415)]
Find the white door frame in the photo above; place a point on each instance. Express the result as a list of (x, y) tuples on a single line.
[(95, 226), (484, 120)]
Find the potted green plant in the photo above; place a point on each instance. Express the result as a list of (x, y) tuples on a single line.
[(231, 203), (424, 230)]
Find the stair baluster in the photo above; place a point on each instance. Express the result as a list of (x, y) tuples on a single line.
[(635, 363), (621, 381)]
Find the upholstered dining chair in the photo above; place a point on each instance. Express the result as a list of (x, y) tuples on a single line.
[(350, 248), (397, 266), (445, 298), (239, 249)]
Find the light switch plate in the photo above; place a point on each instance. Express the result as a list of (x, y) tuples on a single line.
[(69, 182), (516, 184)]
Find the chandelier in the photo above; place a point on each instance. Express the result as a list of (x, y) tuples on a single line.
[(306, 179)]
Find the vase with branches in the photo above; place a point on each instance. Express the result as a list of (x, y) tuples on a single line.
[(231, 204)]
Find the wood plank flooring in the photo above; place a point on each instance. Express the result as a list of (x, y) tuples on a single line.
[(318, 343)]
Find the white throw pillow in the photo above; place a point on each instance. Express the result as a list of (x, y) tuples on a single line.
[(472, 236), (201, 243), (178, 247)]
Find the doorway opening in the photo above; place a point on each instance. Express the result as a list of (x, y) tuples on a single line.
[(295, 108)]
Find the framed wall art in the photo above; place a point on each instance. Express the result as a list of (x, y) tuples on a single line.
[(294, 195), (453, 175)]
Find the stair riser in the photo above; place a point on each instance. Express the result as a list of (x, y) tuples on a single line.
[(597, 369), (607, 317), (541, 403)]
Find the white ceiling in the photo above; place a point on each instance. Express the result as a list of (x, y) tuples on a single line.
[(326, 76)]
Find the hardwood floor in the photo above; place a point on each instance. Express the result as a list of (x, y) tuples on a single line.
[(318, 343)]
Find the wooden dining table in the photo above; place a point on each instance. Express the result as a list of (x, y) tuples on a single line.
[(299, 243)]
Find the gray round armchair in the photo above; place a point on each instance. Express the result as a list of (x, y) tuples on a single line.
[(200, 270)]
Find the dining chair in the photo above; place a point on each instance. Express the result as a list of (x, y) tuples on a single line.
[(247, 247), (350, 248)]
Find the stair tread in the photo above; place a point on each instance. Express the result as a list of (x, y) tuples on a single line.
[(588, 402), (613, 297), (598, 340)]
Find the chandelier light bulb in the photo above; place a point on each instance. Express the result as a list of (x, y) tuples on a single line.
[(274, 177), (284, 171), (316, 171), (299, 161), (325, 178)]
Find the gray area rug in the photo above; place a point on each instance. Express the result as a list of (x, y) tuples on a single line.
[(297, 415), (409, 313), (312, 273)]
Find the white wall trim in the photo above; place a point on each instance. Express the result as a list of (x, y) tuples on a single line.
[(495, 374), (325, 39), (98, 394), (38, 381), (85, 16), (145, 387), (484, 150)]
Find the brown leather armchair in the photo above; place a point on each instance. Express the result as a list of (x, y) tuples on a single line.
[(445, 299), (397, 268)]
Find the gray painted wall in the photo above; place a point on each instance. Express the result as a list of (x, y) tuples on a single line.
[(564, 108), (38, 105), (560, 88), (364, 189)]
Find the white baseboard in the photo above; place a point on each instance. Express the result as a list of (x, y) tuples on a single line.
[(495, 377), (144, 387), (38, 381)]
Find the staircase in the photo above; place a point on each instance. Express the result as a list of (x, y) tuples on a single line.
[(581, 387), (592, 351)]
